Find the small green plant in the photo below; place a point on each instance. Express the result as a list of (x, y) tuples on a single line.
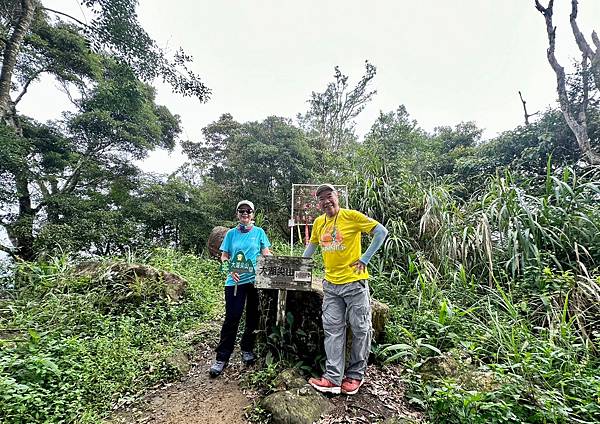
[(256, 414), (263, 378)]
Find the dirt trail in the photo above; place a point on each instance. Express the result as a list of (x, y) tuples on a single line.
[(199, 399), (196, 398)]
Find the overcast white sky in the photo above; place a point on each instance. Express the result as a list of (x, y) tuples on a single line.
[(446, 61)]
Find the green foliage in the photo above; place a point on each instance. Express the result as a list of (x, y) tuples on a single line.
[(174, 213), (59, 50), (491, 266), (398, 138), (506, 281), (115, 27), (67, 183), (255, 413), (255, 160), (119, 112), (82, 167), (73, 353), (263, 378)]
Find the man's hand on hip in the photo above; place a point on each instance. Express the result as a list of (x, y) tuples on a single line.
[(359, 267)]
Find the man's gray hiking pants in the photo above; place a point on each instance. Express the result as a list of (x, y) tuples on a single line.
[(344, 303)]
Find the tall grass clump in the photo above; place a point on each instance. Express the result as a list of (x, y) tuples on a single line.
[(74, 345), (495, 298)]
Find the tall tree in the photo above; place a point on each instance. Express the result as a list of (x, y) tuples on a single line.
[(256, 160), (174, 212), (398, 138), (210, 155), (69, 176), (331, 113), (575, 115), (54, 173)]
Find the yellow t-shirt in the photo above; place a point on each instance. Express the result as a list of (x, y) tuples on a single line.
[(339, 238)]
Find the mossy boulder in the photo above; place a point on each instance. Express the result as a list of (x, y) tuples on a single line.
[(461, 369), (131, 282), (289, 379), (303, 405), (178, 361), (214, 241)]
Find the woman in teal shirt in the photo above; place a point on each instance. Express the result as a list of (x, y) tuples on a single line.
[(239, 252)]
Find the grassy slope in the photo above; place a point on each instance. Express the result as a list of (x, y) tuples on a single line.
[(70, 352)]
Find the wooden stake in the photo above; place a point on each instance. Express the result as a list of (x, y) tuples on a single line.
[(281, 300)]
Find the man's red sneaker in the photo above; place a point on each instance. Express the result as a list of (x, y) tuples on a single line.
[(350, 386), (323, 385)]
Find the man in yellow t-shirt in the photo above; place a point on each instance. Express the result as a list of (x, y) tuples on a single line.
[(345, 289)]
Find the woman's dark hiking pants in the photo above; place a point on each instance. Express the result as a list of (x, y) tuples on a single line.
[(234, 307)]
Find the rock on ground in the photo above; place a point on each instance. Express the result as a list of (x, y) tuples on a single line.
[(296, 406)]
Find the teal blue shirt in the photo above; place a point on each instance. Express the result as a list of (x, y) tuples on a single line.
[(247, 247)]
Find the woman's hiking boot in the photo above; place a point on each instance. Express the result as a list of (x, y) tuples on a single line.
[(217, 368), (248, 357)]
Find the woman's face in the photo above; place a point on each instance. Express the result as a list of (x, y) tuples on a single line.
[(245, 214)]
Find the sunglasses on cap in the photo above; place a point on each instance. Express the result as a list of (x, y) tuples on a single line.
[(244, 210)]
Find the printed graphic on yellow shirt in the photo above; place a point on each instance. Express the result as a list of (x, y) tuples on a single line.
[(332, 239)]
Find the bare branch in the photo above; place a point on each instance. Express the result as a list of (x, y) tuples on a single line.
[(558, 69), (584, 47), (595, 40), (527, 115), (542, 9), (26, 85), (64, 87), (579, 38), (43, 189), (8, 250), (73, 179), (65, 15), (586, 85)]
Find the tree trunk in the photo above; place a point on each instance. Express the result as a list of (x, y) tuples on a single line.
[(11, 50), (21, 231)]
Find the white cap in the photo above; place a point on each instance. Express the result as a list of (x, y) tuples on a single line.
[(324, 187), (245, 202)]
